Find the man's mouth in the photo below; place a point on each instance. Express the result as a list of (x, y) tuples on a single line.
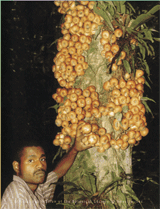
[(40, 173)]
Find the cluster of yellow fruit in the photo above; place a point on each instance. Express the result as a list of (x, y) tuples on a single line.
[(93, 136), (111, 47), (80, 18), (75, 106), (80, 24), (62, 140), (69, 61), (127, 93)]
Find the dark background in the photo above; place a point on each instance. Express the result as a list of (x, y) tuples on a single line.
[(28, 30)]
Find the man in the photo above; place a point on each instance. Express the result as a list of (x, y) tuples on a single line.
[(29, 188)]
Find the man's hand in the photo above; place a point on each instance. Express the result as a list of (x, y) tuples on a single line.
[(78, 144), (67, 161)]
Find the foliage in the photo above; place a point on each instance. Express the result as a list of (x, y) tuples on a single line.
[(122, 14), (92, 198)]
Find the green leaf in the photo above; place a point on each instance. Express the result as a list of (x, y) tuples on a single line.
[(122, 7), (104, 188), (75, 179), (58, 153), (109, 14), (111, 4), (114, 180), (120, 169), (147, 99), (147, 68), (122, 197), (133, 65), (54, 42), (127, 21), (118, 116), (142, 50), (154, 9), (56, 106), (154, 182), (90, 179), (85, 166), (131, 7), (92, 169), (89, 182), (148, 35), (114, 177), (131, 193), (122, 3), (125, 109), (104, 15), (102, 5), (80, 157), (126, 49), (151, 50), (109, 204), (147, 107), (141, 19), (157, 39), (93, 183), (147, 84), (82, 187), (65, 98), (74, 168), (144, 44), (117, 5), (127, 66), (105, 157), (111, 10), (88, 153)]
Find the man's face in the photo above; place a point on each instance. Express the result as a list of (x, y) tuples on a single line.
[(33, 166)]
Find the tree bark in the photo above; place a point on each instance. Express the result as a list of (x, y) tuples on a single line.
[(106, 167)]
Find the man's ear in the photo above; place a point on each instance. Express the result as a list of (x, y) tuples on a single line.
[(15, 165)]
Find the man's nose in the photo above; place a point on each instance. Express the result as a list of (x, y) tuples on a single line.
[(40, 164)]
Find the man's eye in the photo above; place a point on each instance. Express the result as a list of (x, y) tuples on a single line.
[(43, 159), (31, 161)]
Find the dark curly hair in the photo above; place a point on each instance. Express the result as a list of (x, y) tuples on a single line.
[(30, 139)]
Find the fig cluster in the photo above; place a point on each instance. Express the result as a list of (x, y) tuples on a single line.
[(79, 25), (124, 105), (75, 106), (125, 98)]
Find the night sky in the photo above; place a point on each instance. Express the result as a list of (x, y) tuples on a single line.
[(28, 29)]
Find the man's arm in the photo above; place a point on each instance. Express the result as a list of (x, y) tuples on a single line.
[(67, 161)]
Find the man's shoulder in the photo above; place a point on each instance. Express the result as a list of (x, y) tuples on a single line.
[(13, 190), (15, 196), (52, 175), (50, 178)]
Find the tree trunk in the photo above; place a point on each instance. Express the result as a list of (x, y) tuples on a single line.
[(106, 167)]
